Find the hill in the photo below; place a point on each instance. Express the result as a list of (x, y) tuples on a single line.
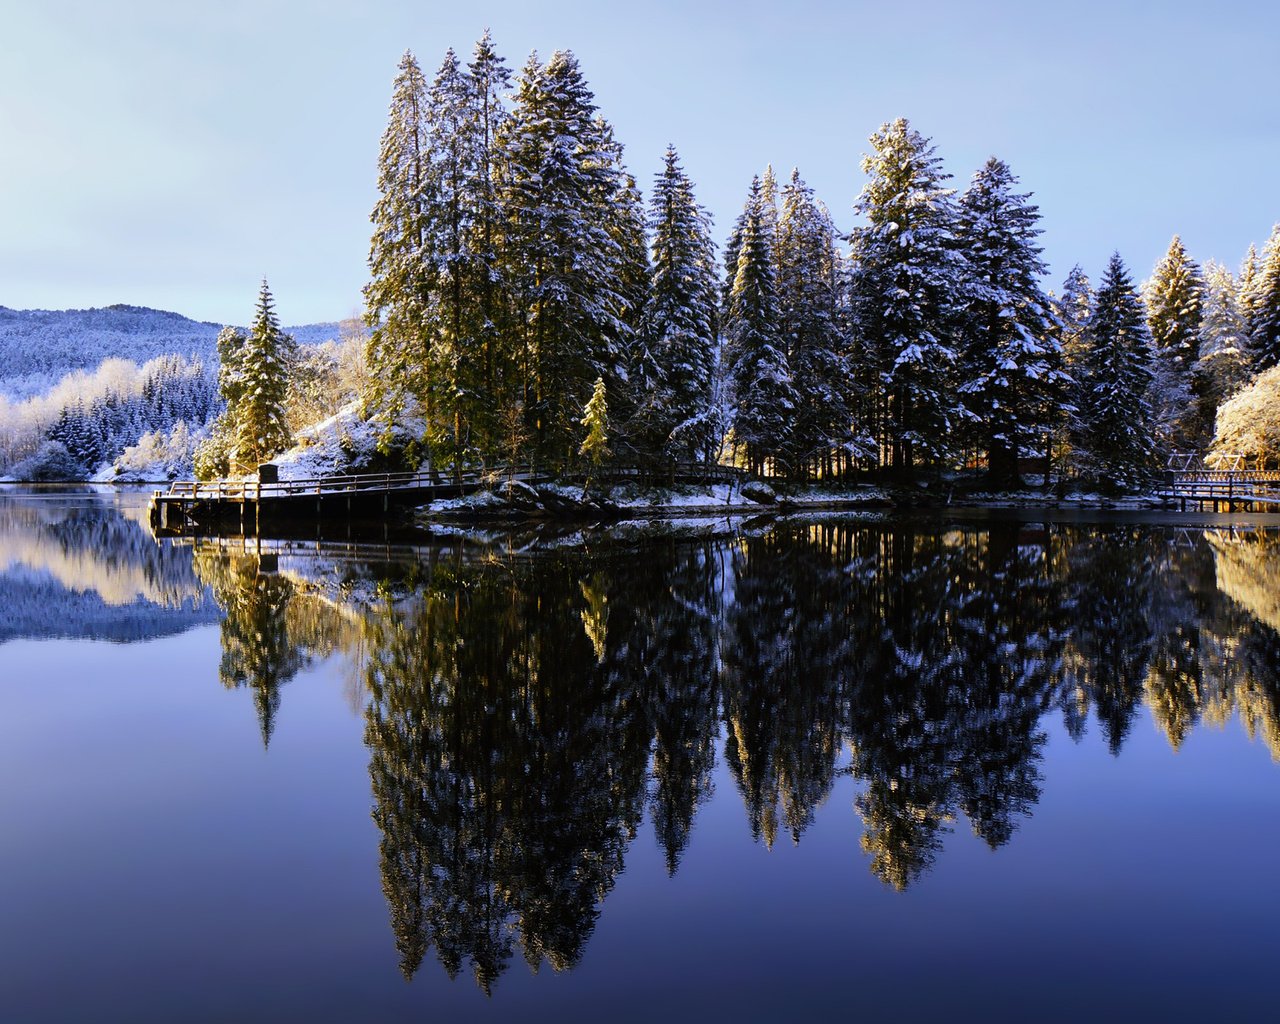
[(39, 346)]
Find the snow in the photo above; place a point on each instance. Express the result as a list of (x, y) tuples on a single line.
[(39, 346)]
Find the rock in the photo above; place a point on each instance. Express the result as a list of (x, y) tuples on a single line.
[(759, 492)]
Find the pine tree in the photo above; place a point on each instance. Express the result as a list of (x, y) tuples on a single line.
[(1223, 366), (399, 293), (595, 448), (1249, 282), (759, 378), (1012, 383), (626, 220), (907, 293), (675, 353), (491, 309), (565, 263), (1072, 309), (259, 427), (1173, 299), (1115, 440), (809, 283), (1264, 314), (452, 363)]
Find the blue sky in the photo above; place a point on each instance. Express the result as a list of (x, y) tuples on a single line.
[(170, 154)]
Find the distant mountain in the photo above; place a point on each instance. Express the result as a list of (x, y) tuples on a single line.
[(39, 346)]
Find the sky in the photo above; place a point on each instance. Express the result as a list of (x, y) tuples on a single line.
[(172, 154)]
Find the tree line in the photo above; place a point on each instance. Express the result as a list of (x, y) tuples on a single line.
[(517, 270)]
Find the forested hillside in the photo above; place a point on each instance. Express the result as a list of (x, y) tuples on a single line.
[(40, 346)]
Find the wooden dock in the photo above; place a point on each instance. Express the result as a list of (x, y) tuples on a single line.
[(244, 507)]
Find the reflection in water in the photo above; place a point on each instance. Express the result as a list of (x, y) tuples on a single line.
[(71, 565), (271, 629), (524, 711)]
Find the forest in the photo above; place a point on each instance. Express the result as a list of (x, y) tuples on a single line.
[(516, 270), (527, 303)]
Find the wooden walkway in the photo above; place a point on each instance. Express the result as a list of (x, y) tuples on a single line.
[(1223, 489), (243, 506)]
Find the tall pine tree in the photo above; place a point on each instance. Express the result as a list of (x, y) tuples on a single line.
[(260, 431), (675, 352), (1173, 299), (1223, 366), (561, 250), (759, 378), (1012, 382), (1264, 312), (1116, 442), (400, 291), (907, 295), (811, 322)]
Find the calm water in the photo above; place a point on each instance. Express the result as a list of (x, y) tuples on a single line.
[(971, 768)]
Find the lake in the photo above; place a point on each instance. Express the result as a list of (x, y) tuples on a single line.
[(976, 766)]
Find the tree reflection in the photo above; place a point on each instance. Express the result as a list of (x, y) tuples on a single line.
[(509, 747), (525, 711), (269, 631)]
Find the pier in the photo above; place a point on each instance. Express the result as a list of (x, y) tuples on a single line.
[(188, 508)]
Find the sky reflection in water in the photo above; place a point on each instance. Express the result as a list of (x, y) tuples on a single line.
[(909, 766)]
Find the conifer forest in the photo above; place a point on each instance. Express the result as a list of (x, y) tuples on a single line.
[(515, 263)]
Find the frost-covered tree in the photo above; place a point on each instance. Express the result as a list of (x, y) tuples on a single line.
[(1173, 299), (402, 280), (907, 292), (1248, 283), (1011, 377), (1264, 307), (1116, 445), (1223, 366), (759, 379), (1249, 424), (565, 263), (675, 351), (490, 312), (259, 427), (811, 322), (1072, 309)]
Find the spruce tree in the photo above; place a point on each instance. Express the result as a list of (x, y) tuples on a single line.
[(1072, 309), (1249, 282), (402, 281), (259, 427), (595, 418), (1115, 440), (675, 352), (1173, 299), (453, 360), (759, 378), (1264, 316), (810, 321), (491, 309), (565, 263), (907, 294), (1012, 382), (1223, 366)]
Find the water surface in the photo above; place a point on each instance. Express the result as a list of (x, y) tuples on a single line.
[(970, 767)]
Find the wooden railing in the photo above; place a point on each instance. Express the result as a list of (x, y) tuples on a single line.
[(253, 490)]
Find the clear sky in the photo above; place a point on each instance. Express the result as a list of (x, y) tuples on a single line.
[(170, 153)]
